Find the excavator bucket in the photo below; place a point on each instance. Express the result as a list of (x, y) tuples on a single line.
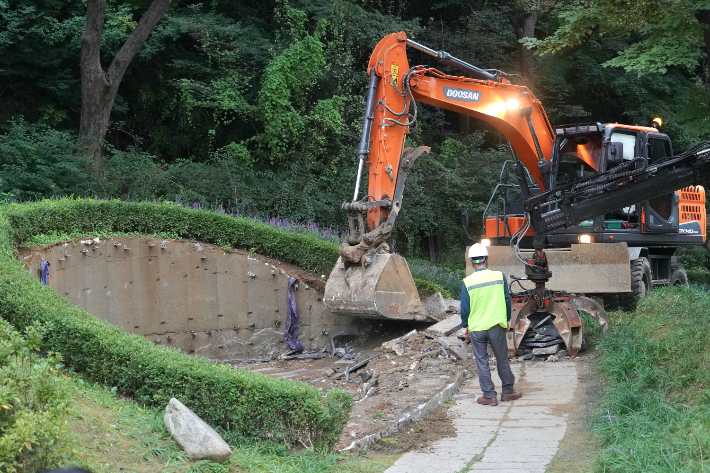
[(383, 289), (590, 268)]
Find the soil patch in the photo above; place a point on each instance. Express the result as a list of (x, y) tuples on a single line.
[(435, 426)]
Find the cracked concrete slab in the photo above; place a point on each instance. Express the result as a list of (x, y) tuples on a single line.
[(518, 436)]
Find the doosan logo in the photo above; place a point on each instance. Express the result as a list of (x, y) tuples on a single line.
[(462, 95)]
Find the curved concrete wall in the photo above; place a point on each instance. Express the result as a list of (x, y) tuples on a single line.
[(198, 298)]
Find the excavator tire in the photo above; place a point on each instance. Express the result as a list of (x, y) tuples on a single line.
[(641, 284), (678, 276)]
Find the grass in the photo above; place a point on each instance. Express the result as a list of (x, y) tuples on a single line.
[(56, 237), (110, 433), (655, 413)]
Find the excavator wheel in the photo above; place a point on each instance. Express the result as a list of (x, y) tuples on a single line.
[(678, 276), (641, 284)]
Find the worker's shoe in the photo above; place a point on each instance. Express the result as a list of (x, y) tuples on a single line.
[(511, 396), (487, 401)]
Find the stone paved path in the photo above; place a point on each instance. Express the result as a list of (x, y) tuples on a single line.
[(513, 437)]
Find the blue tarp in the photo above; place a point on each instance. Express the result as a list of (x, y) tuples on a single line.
[(44, 272), (291, 328)]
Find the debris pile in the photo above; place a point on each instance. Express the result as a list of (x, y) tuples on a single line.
[(388, 375), (542, 341)]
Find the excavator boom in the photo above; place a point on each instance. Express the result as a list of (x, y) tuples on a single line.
[(394, 88)]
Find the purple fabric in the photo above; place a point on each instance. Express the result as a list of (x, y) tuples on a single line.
[(291, 328), (44, 272)]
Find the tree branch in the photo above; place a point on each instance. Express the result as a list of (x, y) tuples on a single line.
[(136, 39)]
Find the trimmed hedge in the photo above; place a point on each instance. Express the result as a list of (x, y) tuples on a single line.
[(250, 404), (698, 276), (69, 215)]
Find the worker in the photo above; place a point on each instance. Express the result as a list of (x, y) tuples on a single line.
[(485, 313)]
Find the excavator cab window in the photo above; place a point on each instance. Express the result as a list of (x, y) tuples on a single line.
[(629, 142), (658, 149), (580, 156)]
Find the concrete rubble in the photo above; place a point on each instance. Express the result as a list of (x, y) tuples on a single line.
[(444, 328), (195, 436), (454, 346)]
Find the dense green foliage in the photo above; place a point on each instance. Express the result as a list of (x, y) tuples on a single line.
[(257, 106), (655, 414), (250, 404), (34, 402)]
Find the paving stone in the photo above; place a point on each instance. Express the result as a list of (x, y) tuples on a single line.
[(514, 437)]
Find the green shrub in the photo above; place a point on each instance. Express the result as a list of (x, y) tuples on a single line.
[(698, 276), (248, 403), (427, 288), (34, 400), (37, 162), (449, 280), (72, 216)]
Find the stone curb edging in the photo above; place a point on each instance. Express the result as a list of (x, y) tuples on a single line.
[(415, 415)]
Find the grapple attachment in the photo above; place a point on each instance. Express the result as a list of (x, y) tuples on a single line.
[(543, 322), (382, 289)]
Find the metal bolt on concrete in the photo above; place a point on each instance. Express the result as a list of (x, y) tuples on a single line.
[(513, 437)]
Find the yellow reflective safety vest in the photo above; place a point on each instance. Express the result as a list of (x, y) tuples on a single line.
[(487, 300)]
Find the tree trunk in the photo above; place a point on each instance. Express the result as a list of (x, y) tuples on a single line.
[(703, 17), (524, 25), (99, 87), (464, 121)]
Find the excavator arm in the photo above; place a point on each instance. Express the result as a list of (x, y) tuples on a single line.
[(393, 92), (368, 280)]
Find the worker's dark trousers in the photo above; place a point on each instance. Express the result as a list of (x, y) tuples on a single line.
[(496, 337)]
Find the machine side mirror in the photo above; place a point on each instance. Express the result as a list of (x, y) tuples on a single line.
[(613, 154)]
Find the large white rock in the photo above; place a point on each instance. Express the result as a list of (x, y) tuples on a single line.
[(194, 435)]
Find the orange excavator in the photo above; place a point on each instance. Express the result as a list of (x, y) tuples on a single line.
[(567, 177)]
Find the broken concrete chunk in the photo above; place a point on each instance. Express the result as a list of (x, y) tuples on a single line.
[(446, 327), (389, 346), (551, 350), (435, 306), (343, 364), (194, 435), (453, 345)]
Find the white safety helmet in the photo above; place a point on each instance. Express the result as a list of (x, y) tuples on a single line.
[(478, 253)]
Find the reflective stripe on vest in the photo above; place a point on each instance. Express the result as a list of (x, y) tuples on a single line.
[(487, 300)]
